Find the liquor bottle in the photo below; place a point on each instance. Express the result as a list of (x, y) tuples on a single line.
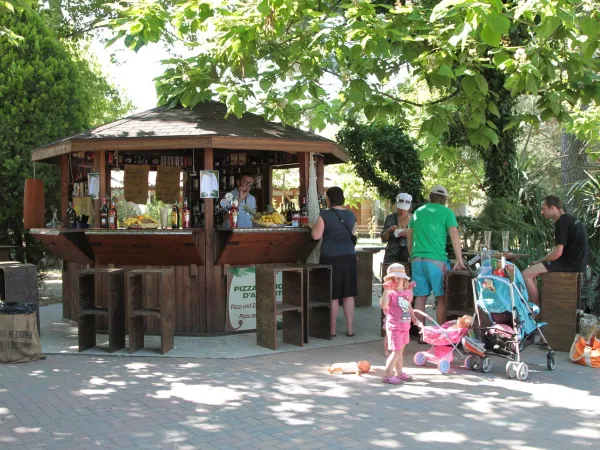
[(304, 213), (175, 217), (233, 214), (71, 217), (104, 214), (113, 219), (223, 180), (288, 212), (186, 216), (258, 182)]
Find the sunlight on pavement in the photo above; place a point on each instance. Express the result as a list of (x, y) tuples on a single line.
[(201, 393)]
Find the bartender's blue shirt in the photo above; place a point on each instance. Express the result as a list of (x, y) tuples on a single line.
[(244, 218)]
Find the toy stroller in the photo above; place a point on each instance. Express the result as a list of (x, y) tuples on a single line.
[(505, 323), (444, 341)]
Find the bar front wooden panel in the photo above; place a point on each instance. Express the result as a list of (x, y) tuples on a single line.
[(141, 249), (66, 245), (239, 248)]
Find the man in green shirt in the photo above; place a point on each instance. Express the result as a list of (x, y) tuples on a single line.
[(426, 235)]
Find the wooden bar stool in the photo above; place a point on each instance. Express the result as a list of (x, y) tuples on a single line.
[(317, 300), (112, 288), (163, 279), (267, 308), (560, 300)]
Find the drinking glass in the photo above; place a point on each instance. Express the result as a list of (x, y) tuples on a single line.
[(505, 240), (164, 217), (487, 239)]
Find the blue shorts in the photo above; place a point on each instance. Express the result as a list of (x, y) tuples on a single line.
[(429, 276)]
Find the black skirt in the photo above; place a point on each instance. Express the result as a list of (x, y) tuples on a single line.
[(344, 276)]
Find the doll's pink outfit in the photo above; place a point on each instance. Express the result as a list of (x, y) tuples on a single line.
[(397, 319)]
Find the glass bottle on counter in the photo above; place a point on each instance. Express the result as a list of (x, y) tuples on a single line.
[(303, 213), (113, 217), (104, 214), (175, 217), (233, 214), (186, 216), (71, 217)]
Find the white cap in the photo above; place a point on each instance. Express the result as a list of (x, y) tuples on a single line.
[(439, 189), (403, 201)]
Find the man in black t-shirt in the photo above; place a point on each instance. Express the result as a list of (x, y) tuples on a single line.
[(570, 247)]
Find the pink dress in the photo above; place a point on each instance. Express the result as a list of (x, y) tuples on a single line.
[(397, 319)]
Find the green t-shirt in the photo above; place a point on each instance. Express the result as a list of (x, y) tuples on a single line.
[(430, 224)]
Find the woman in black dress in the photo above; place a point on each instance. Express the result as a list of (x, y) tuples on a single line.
[(394, 230), (336, 226)]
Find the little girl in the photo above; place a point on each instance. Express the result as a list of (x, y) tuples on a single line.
[(396, 304)]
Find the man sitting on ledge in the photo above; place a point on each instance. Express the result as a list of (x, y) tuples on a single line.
[(570, 247)]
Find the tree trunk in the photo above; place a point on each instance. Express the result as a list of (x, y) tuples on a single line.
[(573, 161)]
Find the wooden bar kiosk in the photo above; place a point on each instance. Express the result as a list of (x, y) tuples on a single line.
[(209, 260)]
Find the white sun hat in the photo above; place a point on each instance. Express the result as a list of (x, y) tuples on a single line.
[(396, 270)]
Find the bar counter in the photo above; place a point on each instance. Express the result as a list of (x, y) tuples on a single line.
[(201, 283)]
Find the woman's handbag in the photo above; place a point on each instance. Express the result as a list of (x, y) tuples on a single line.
[(352, 236), (585, 353)]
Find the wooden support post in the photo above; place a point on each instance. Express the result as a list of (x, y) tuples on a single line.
[(320, 175), (100, 168), (64, 188), (303, 162), (209, 253)]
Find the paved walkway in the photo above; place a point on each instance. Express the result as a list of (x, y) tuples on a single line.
[(288, 400)]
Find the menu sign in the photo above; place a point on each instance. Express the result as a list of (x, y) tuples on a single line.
[(135, 183), (167, 184)]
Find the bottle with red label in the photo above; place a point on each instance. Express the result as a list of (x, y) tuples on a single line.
[(186, 216), (113, 217), (104, 214), (233, 214)]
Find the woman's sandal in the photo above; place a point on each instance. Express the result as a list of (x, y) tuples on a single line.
[(405, 377), (350, 335), (392, 380)]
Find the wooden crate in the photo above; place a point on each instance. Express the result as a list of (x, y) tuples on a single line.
[(19, 284)]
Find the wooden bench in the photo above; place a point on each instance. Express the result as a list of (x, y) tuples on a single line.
[(317, 300), (291, 308), (164, 294), (560, 297), (112, 282), (19, 284)]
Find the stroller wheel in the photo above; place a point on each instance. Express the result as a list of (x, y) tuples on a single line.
[(511, 369), (469, 362), (550, 361), (420, 359), (486, 364), (522, 371), (476, 362), (443, 366)]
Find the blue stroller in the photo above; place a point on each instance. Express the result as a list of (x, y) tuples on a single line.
[(505, 322)]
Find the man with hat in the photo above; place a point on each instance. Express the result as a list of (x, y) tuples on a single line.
[(426, 236)]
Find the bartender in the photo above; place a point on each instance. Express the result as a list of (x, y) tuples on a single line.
[(244, 182)]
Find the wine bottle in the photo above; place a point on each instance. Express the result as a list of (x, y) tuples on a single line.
[(175, 217), (104, 214), (71, 217), (186, 216)]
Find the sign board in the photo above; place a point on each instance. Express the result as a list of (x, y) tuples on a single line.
[(135, 183), (241, 298), (209, 184), (167, 184)]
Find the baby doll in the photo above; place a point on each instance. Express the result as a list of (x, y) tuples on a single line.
[(463, 322), (351, 367)]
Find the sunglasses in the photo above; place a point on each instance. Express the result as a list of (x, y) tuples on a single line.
[(408, 202)]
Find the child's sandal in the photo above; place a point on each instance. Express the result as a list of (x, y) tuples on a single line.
[(392, 380), (405, 377)]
